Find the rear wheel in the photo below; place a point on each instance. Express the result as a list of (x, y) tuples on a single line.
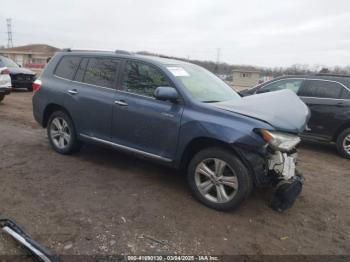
[(62, 134), (2, 97), (343, 143), (218, 179)]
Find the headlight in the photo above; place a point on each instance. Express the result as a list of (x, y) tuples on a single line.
[(280, 141)]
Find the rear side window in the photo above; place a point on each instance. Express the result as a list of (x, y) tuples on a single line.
[(291, 84), (101, 72), (321, 89), (67, 67)]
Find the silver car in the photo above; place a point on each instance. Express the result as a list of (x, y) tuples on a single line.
[(5, 82)]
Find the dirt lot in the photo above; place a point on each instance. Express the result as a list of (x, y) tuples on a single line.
[(102, 202)]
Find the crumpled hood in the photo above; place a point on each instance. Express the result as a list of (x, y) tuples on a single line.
[(281, 109), (20, 70)]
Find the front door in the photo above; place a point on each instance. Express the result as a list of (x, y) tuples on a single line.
[(140, 122)]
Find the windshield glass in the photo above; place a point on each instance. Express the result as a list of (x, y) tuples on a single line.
[(203, 85), (5, 62)]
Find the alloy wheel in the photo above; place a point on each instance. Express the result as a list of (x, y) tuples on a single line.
[(216, 180), (346, 144), (60, 133)]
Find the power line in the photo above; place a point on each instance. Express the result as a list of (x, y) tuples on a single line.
[(9, 33)]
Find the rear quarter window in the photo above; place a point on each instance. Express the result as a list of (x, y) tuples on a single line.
[(67, 67)]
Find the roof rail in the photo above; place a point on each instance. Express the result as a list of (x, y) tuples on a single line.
[(122, 52), (335, 75)]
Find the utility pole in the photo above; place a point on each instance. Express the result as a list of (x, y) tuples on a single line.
[(218, 55), (217, 69), (9, 33)]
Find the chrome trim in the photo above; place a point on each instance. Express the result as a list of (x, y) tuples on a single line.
[(312, 79), (337, 99), (73, 92), (120, 103), (130, 149), (25, 243)]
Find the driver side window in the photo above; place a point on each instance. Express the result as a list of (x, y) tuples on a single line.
[(291, 84)]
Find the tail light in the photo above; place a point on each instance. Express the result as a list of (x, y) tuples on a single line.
[(5, 72), (36, 85)]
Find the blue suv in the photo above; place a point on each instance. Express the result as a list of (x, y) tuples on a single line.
[(178, 114)]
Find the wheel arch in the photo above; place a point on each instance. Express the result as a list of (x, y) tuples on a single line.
[(340, 130), (200, 143), (49, 110)]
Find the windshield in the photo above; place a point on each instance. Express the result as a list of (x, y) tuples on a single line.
[(203, 85), (5, 62)]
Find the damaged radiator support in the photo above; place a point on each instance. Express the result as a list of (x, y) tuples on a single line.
[(288, 181)]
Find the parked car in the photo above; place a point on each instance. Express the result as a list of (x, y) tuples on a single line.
[(328, 97), (178, 114), (20, 77), (5, 83)]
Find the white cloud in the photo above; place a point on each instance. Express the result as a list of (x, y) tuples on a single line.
[(265, 33)]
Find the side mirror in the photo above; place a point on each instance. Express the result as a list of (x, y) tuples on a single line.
[(165, 93)]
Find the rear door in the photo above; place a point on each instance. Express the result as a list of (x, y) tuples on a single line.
[(324, 100), (140, 122), (89, 99)]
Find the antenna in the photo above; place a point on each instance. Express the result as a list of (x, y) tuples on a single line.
[(9, 33)]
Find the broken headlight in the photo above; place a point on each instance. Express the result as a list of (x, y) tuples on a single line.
[(280, 141)]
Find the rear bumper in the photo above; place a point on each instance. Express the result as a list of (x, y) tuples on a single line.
[(5, 90), (22, 84)]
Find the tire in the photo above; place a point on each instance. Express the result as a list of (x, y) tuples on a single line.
[(2, 97), (233, 172), (61, 133), (30, 89), (343, 143)]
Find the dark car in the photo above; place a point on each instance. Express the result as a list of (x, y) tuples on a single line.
[(20, 77), (178, 114), (328, 97)]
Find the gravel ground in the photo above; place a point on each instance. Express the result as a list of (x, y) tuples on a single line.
[(102, 202)]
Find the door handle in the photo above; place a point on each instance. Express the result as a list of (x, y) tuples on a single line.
[(120, 103), (73, 92)]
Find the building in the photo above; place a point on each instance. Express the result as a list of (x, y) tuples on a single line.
[(31, 56), (245, 78)]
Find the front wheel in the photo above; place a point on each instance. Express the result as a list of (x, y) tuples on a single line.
[(2, 97), (218, 179), (343, 143), (61, 133)]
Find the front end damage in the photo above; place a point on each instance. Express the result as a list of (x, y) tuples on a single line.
[(274, 165), (287, 181)]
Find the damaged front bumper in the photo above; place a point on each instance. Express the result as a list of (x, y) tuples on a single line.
[(287, 181)]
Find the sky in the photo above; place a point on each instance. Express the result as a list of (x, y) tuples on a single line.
[(251, 32)]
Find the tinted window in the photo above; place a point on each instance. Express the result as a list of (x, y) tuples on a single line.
[(101, 72), (345, 94), (79, 76), (67, 67), (322, 89), (142, 79), (291, 84)]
